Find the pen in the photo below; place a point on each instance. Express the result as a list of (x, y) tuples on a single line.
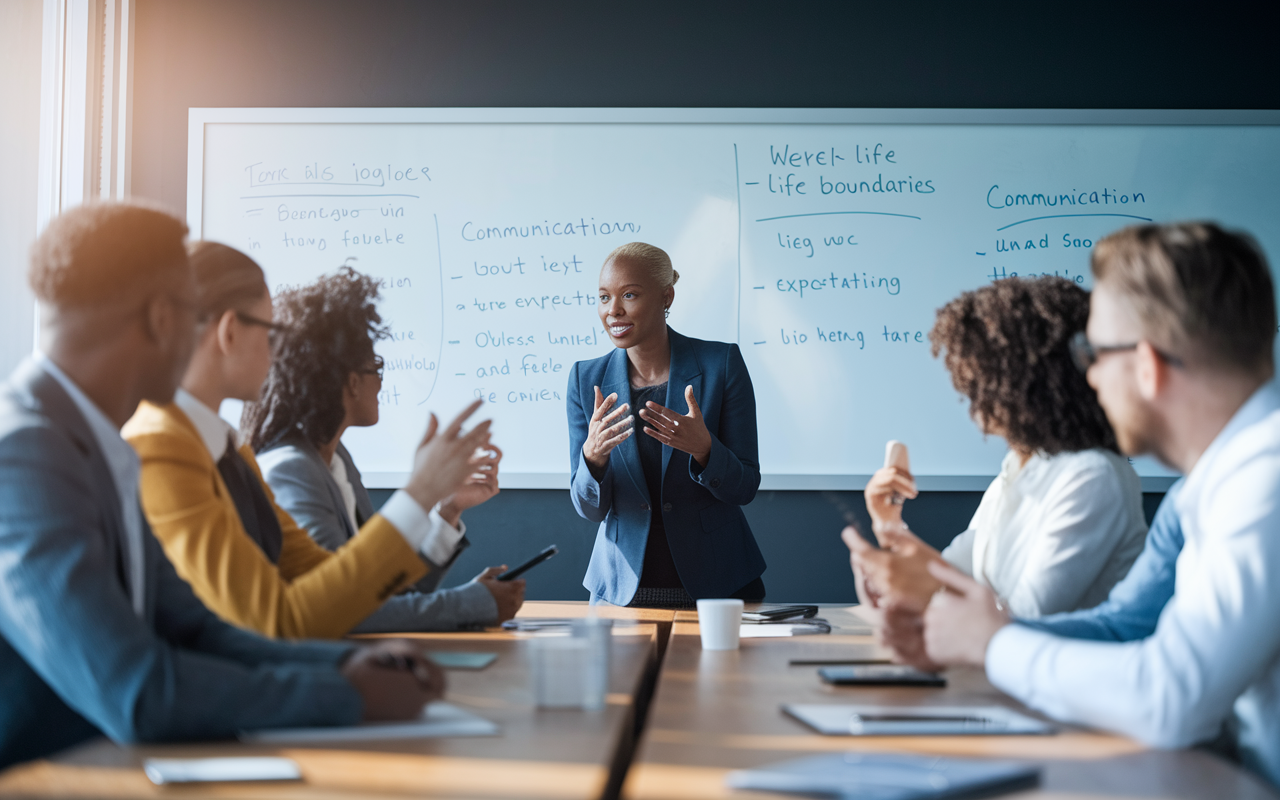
[(406, 663), (823, 662), (859, 719)]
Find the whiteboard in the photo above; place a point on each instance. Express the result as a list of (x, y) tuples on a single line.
[(821, 241)]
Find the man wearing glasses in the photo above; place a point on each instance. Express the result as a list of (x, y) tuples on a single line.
[(1179, 348)]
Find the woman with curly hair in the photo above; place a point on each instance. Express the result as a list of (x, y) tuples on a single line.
[(1062, 522), (243, 555), (324, 379)]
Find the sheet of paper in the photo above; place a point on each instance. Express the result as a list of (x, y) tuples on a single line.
[(439, 720), (777, 631), (838, 719), (205, 770), (454, 660)]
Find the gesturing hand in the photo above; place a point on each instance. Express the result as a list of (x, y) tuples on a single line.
[(684, 432), (395, 679), (605, 431), (446, 458), (480, 486)]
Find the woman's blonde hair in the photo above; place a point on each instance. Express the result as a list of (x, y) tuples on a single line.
[(226, 279), (653, 259)]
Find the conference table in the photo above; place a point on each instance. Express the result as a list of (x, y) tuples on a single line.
[(714, 712), (677, 720)]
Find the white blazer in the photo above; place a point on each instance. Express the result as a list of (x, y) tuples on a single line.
[(1056, 533)]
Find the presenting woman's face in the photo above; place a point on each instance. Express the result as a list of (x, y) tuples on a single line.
[(631, 303)]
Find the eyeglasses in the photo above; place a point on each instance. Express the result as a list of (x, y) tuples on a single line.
[(1085, 353), (377, 368), (249, 319)]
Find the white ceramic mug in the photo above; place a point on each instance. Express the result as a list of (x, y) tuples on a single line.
[(720, 622)]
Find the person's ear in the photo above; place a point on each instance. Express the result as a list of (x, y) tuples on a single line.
[(226, 331), (1152, 372), (158, 320), (351, 389), (669, 297)]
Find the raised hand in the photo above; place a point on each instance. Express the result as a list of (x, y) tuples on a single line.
[(887, 485), (446, 458), (607, 429), (684, 432), (480, 486), (394, 678)]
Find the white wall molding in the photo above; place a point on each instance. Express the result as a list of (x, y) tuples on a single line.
[(86, 104)]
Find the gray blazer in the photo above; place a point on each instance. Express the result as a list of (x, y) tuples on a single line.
[(304, 487), (75, 660)]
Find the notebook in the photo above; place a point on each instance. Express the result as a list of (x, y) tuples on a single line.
[(887, 776), (869, 720)]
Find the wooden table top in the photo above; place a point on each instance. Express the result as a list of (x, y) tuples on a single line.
[(714, 712), (711, 713), (540, 753)]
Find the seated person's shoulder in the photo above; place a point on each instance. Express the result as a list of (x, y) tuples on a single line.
[(1096, 460), (155, 430), (291, 461), (1104, 474), (31, 443)]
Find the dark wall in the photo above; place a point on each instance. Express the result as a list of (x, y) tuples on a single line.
[(789, 54), (799, 533), (904, 54)]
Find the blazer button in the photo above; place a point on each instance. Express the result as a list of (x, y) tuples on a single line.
[(666, 506), (715, 483), (644, 506)]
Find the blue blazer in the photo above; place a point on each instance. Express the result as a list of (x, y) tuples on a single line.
[(711, 543), (75, 660)]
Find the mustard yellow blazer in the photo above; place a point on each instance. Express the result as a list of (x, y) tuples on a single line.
[(310, 593)]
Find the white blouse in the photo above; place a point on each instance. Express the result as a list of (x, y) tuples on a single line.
[(1056, 533), (338, 469)]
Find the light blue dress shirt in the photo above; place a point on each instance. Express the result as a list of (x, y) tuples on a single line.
[(1132, 609), (1215, 653)]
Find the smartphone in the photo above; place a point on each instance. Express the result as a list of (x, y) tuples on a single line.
[(880, 675), (516, 572), (779, 614)]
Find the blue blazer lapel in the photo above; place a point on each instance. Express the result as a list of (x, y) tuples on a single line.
[(685, 371), (616, 380)]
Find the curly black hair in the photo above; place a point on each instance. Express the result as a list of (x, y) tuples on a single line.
[(1007, 349), (330, 329)]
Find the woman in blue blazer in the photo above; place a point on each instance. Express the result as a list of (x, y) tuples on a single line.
[(669, 500)]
